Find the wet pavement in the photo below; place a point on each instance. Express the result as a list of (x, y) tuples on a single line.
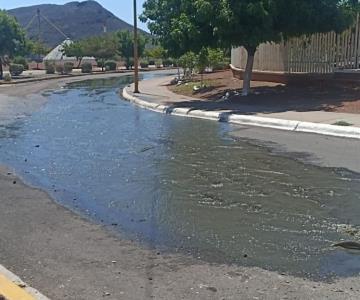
[(185, 185)]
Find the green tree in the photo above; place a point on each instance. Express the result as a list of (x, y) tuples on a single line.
[(101, 47), (202, 61), (75, 49), (37, 50), (188, 63), (125, 45), (249, 23), (184, 25), (12, 39), (216, 58), (157, 52)]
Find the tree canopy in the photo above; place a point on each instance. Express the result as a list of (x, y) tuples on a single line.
[(125, 40), (12, 38), (190, 25), (249, 23), (182, 25), (106, 47), (101, 47), (75, 49)]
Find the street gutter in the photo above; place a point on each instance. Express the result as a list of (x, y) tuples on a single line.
[(239, 119)]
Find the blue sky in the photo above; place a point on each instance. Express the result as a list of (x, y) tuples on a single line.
[(120, 8)]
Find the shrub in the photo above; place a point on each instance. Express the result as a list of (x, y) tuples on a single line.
[(144, 64), (188, 63), (129, 63), (217, 59), (21, 61), (59, 69), (7, 77), (100, 63), (86, 67), (202, 60), (111, 65), (151, 62), (50, 68), (343, 123), (176, 63), (158, 63), (167, 62), (68, 67), (16, 69)]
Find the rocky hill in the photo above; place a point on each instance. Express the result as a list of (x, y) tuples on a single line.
[(76, 20)]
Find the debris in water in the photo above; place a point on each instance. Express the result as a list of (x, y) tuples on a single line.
[(212, 289), (348, 245), (217, 185), (146, 149)]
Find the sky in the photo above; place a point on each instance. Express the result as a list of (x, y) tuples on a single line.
[(121, 8)]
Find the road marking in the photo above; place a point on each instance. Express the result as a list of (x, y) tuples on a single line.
[(10, 287), (11, 291)]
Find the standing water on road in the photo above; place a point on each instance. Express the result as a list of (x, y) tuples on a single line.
[(185, 185)]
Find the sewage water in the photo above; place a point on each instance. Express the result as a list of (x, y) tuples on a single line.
[(184, 184)]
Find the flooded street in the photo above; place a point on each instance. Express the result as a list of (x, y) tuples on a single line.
[(185, 185)]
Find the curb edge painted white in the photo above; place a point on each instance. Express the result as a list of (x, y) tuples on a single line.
[(289, 125), (15, 279)]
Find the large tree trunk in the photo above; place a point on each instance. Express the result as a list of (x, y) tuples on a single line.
[(248, 71), (1, 70)]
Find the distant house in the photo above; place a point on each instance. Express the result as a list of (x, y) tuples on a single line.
[(318, 54), (56, 55)]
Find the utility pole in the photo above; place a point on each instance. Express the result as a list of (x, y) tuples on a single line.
[(136, 54)]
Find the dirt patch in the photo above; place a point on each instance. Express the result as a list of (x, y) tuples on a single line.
[(270, 97)]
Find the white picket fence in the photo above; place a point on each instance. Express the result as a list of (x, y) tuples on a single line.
[(319, 53)]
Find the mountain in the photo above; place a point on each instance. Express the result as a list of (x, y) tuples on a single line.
[(77, 20)]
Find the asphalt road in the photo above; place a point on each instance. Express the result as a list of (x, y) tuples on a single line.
[(325, 151)]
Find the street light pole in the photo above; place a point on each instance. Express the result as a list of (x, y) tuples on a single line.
[(136, 54)]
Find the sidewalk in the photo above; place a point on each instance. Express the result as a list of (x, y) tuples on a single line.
[(156, 96)]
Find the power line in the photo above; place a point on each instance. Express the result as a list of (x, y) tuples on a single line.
[(30, 22), (53, 25), (38, 15)]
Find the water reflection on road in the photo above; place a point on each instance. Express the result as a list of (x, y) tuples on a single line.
[(184, 184)]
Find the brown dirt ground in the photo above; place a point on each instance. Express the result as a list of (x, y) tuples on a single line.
[(274, 97)]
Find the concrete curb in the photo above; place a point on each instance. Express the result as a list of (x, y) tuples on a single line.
[(281, 124), (39, 79), (16, 280), (95, 73)]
